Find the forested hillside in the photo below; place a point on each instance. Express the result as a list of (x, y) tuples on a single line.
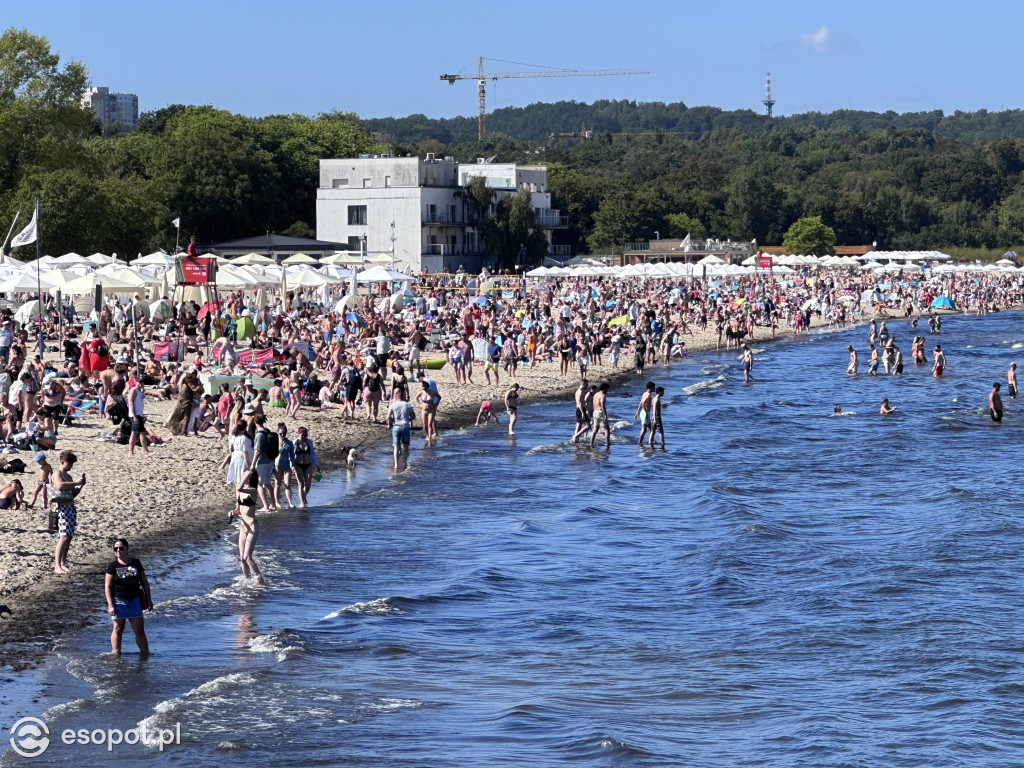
[(916, 180), (538, 121)]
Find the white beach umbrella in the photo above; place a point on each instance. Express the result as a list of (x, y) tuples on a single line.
[(157, 258), (300, 258), (21, 281), (252, 259)]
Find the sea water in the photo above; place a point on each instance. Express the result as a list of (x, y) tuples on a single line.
[(779, 587)]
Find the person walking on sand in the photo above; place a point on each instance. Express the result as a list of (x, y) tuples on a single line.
[(138, 421), (125, 585), (1011, 381), (43, 481), (643, 411), (65, 489), (601, 415), (512, 406), (748, 363), (995, 403), (851, 369), (939, 361)]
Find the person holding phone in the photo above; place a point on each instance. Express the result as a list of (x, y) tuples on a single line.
[(65, 490)]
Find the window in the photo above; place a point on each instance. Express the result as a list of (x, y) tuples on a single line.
[(336, 183), (431, 212), (355, 243), (366, 184), (357, 215), (387, 181)]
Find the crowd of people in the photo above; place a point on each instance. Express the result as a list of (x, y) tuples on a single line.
[(250, 372)]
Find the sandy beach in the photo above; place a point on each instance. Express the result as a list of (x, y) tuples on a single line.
[(171, 503)]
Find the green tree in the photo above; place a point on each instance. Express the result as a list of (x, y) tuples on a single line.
[(625, 215), (810, 235), (680, 225)]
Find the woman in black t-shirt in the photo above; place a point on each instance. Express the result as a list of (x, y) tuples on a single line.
[(126, 584)]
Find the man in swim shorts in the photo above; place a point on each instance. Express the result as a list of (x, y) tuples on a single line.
[(1011, 380), (643, 411), (873, 362), (601, 415), (939, 361), (851, 369)]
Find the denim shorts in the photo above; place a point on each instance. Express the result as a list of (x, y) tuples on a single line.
[(127, 609), (400, 435)]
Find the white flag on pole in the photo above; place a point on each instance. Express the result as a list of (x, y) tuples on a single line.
[(29, 233), (685, 245), (177, 223)]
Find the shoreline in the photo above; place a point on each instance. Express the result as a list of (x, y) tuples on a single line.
[(178, 500)]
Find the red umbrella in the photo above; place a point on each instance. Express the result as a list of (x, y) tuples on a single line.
[(210, 306)]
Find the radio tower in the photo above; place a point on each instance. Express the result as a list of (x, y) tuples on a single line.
[(768, 102)]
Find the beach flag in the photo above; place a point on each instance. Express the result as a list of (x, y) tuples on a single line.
[(29, 233), (685, 245), (177, 223)]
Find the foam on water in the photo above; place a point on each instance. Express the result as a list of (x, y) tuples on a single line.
[(382, 606), (283, 643), (707, 385)]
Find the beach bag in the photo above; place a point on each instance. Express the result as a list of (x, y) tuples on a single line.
[(52, 520), (144, 602), (11, 466)]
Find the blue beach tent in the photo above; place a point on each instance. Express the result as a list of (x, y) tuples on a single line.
[(943, 302)]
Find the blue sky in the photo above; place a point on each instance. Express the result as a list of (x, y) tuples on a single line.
[(385, 58)]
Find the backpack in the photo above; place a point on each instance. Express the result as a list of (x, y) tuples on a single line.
[(373, 383), (271, 444), (12, 465)]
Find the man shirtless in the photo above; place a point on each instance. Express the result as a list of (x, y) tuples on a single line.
[(939, 361), (582, 419), (851, 369), (1011, 380), (873, 362), (748, 363), (601, 415), (656, 427), (995, 403), (643, 411)]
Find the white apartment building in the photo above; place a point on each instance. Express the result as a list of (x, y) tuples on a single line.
[(416, 208), (121, 108)]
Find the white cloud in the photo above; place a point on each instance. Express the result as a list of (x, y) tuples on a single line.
[(820, 40)]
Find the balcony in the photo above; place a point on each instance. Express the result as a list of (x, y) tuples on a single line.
[(444, 219), (551, 220), (439, 249), (560, 251)]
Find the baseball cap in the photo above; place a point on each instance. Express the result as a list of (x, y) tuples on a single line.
[(39, 457)]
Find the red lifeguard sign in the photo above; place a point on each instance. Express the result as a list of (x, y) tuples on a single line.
[(195, 270), (764, 262)]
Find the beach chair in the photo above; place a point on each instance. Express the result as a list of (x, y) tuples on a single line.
[(72, 412)]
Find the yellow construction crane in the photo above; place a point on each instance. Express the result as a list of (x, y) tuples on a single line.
[(481, 77)]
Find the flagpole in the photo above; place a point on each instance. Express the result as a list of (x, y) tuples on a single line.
[(6, 239), (39, 285), (177, 234)]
